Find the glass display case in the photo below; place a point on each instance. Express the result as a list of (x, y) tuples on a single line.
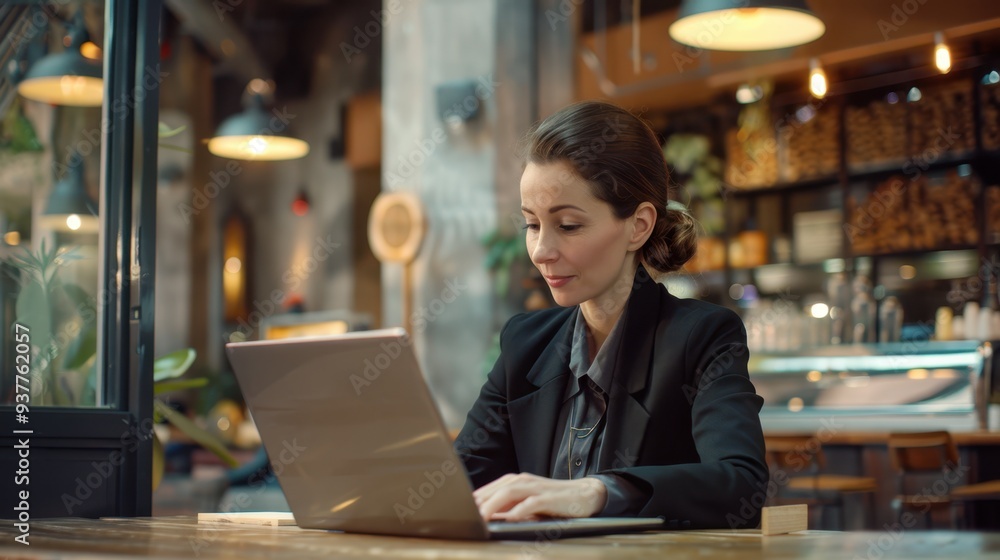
[(880, 387)]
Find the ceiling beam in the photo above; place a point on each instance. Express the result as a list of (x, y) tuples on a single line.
[(218, 33)]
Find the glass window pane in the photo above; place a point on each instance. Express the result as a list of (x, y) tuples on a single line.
[(50, 155)]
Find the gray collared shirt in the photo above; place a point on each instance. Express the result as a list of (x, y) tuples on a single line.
[(583, 417)]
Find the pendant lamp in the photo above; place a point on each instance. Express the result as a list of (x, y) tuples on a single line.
[(745, 25), (68, 77), (256, 134), (70, 208)]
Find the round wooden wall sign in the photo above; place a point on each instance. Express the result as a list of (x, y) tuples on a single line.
[(396, 227)]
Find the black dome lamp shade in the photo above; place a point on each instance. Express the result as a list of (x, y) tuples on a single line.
[(68, 77), (256, 134), (745, 25), (70, 208)]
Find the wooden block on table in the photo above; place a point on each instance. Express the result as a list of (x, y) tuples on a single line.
[(779, 520), (260, 518)]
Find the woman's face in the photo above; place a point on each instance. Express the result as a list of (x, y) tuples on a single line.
[(574, 239)]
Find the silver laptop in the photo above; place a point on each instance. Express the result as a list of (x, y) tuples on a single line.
[(358, 445)]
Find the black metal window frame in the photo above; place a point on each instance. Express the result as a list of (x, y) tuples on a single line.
[(129, 176)]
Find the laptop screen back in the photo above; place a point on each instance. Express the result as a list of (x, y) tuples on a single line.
[(354, 436)]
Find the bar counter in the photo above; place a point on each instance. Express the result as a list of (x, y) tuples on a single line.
[(183, 537), (975, 438)]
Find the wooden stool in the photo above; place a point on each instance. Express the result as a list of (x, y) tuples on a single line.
[(801, 460), (933, 453), (921, 454), (962, 496)]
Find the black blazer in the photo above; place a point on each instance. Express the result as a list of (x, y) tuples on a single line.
[(682, 417)]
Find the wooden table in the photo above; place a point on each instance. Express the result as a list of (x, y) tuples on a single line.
[(182, 537)]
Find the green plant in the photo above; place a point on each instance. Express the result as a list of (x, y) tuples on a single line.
[(691, 157), (163, 131), (62, 318), (503, 250), (16, 133), (166, 371)]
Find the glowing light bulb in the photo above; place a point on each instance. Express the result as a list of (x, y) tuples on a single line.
[(233, 265), (942, 55), (73, 222), (72, 85), (817, 80), (747, 94), (91, 51), (795, 404), (747, 16), (258, 85), (257, 145), (819, 310)]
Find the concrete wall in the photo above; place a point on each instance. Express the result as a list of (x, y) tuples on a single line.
[(173, 235), (425, 43)]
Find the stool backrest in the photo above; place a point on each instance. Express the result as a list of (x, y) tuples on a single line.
[(795, 454), (922, 452)]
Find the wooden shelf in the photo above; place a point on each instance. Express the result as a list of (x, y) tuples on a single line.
[(874, 171), (916, 252), (805, 184), (907, 167)]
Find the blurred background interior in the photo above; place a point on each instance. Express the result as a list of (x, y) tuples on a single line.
[(331, 166)]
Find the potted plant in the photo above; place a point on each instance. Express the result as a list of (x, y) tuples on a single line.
[(63, 322)]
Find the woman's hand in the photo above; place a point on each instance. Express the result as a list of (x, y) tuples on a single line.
[(523, 497)]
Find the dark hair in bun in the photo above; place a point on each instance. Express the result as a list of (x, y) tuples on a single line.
[(618, 154)]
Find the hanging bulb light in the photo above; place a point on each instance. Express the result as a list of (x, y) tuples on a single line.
[(12, 237), (755, 25), (91, 51), (70, 208), (300, 206), (71, 77), (942, 54), (747, 94), (255, 134), (817, 79)]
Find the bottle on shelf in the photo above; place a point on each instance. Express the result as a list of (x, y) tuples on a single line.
[(970, 313), (863, 311), (838, 292), (890, 320), (958, 327), (782, 248), (989, 309), (944, 324), (773, 325)]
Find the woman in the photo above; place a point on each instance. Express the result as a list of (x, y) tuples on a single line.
[(625, 400)]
